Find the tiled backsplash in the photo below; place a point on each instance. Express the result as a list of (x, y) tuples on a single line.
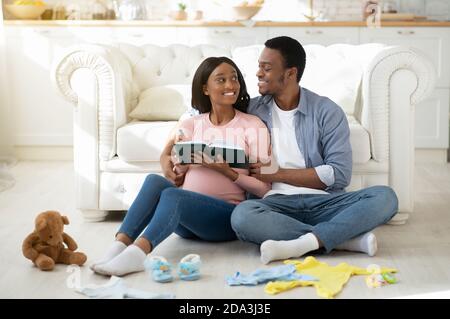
[(346, 10), (352, 9)]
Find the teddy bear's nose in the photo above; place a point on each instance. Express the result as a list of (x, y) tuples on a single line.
[(51, 236)]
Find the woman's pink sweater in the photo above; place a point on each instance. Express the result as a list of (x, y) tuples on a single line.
[(244, 130)]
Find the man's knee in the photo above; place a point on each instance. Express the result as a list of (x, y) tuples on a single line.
[(387, 196), (242, 218)]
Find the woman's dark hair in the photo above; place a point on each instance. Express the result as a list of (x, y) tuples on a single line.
[(202, 102), (292, 52)]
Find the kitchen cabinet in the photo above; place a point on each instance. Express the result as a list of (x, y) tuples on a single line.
[(431, 127), (162, 36), (318, 35), (226, 37), (40, 116)]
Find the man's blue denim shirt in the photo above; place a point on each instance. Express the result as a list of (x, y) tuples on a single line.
[(322, 133)]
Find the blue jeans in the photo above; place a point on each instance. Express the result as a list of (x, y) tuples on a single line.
[(333, 218), (161, 208)]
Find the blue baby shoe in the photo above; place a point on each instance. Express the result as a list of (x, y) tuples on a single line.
[(159, 268), (189, 267)]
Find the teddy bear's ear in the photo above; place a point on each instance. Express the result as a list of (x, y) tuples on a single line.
[(65, 220), (41, 224)]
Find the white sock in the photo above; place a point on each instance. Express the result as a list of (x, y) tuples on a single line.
[(284, 249), (366, 243), (116, 248), (130, 260)]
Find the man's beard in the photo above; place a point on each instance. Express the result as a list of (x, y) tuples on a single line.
[(280, 83), (281, 80)]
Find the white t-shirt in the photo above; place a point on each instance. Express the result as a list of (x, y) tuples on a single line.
[(287, 153)]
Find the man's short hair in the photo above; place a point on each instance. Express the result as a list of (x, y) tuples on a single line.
[(292, 51)]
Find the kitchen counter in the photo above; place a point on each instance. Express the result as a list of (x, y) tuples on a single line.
[(117, 23)]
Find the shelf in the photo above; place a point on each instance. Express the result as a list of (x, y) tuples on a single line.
[(144, 23)]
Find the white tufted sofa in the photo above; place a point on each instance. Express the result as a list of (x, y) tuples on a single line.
[(377, 86)]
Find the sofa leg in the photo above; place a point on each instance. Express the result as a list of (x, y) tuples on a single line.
[(399, 219), (92, 216)]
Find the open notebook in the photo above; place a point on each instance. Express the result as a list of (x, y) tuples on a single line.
[(232, 154)]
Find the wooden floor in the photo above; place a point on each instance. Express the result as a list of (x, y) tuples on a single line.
[(420, 250)]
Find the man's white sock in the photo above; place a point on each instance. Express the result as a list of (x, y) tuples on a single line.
[(284, 249), (366, 243), (130, 260), (116, 248)]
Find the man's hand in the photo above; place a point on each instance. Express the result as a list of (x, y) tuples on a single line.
[(300, 177), (255, 171), (265, 172)]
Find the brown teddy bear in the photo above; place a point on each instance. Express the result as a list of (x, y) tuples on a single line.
[(45, 246)]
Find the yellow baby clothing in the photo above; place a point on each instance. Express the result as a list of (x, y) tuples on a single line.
[(330, 279)]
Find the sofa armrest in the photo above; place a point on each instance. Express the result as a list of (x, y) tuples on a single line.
[(381, 64), (394, 81), (97, 79), (112, 86)]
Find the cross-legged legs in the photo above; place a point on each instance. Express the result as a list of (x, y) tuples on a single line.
[(332, 219)]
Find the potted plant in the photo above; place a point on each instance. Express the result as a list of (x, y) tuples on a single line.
[(181, 13)]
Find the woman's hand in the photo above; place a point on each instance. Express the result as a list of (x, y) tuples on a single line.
[(219, 165), (169, 161), (168, 169)]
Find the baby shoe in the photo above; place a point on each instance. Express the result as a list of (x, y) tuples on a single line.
[(189, 267), (160, 268)]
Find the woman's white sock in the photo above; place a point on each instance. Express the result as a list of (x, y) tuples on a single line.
[(116, 248), (130, 260), (366, 243), (285, 249)]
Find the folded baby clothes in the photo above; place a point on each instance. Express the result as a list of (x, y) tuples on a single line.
[(260, 276), (330, 279), (115, 288)]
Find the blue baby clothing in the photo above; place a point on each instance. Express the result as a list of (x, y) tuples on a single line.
[(260, 276)]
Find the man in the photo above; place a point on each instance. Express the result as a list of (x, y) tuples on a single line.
[(307, 208)]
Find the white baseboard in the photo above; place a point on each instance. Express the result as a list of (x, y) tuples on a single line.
[(44, 153), (431, 155)]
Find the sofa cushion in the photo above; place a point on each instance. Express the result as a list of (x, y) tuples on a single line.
[(360, 141), (153, 65), (332, 72), (162, 103), (142, 141)]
